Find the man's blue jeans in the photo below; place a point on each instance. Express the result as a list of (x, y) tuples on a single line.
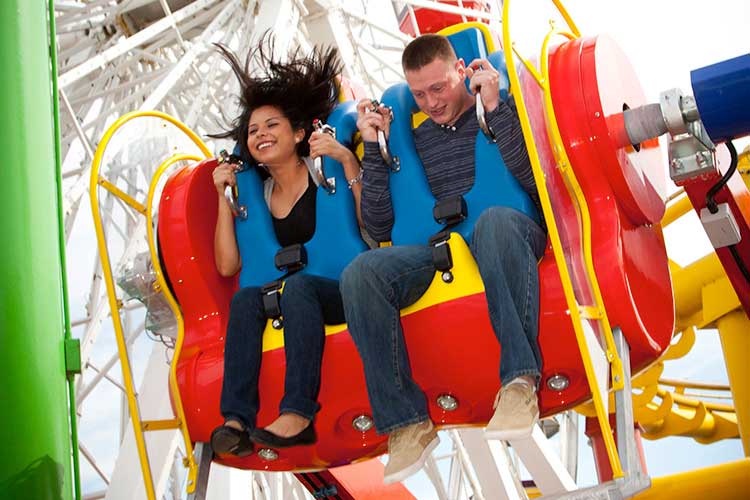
[(506, 245), (307, 304)]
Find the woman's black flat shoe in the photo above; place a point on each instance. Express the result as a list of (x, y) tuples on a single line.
[(227, 440), (265, 438)]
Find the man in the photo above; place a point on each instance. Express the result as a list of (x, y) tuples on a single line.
[(505, 243)]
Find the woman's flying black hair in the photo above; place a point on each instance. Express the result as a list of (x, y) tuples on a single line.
[(304, 88)]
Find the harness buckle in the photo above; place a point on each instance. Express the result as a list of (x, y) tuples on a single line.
[(291, 259), (450, 211), (441, 254), (272, 301)]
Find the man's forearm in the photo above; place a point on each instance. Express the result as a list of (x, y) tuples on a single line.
[(377, 210), (509, 136)]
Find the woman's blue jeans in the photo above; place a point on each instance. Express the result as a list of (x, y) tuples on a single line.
[(307, 304), (506, 245)]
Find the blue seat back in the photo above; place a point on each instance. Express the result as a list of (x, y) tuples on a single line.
[(412, 199), (336, 240), (469, 44)]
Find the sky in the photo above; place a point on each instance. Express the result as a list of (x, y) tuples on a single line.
[(664, 41)]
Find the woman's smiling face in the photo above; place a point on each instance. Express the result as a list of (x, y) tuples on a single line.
[(270, 136)]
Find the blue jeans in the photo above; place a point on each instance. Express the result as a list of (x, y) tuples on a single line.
[(506, 245), (307, 304)]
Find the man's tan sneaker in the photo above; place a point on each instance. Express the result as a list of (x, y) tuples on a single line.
[(516, 413), (408, 448)]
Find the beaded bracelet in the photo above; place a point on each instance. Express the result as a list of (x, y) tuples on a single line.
[(355, 179)]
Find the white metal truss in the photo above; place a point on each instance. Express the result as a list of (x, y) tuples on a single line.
[(117, 56)]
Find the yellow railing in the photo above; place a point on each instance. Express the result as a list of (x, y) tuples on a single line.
[(140, 426), (578, 311)]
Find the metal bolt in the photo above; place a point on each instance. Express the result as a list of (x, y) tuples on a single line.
[(676, 164), (597, 114), (558, 382), (268, 454), (277, 323), (447, 277), (689, 108), (447, 402), (362, 423)]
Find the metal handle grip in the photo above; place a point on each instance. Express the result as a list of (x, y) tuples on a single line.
[(392, 161), (327, 183), (481, 118), (237, 209)]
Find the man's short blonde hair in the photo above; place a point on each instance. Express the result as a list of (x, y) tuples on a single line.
[(424, 49)]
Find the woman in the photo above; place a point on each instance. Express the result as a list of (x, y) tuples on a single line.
[(274, 129)]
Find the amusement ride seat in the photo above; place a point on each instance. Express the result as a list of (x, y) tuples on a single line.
[(453, 351)]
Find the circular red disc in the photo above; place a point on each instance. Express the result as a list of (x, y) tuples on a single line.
[(607, 86)]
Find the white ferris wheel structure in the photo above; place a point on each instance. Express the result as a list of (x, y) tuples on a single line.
[(118, 56)]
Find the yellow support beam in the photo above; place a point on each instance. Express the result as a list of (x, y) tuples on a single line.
[(131, 202), (702, 292), (590, 312), (676, 210), (160, 425), (728, 481), (734, 331), (662, 413)]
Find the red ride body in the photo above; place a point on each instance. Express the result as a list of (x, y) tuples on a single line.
[(451, 345)]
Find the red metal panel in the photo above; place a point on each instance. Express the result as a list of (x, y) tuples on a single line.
[(601, 459), (360, 481), (591, 80), (735, 193), (432, 21)]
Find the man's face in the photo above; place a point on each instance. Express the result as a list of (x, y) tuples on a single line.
[(439, 89)]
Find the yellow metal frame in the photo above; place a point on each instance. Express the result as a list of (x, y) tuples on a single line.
[(704, 297), (139, 426), (725, 481), (483, 28), (577, 313), (676, 209), (164, 289)]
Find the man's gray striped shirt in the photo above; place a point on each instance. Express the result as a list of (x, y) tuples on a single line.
[(447, 154)]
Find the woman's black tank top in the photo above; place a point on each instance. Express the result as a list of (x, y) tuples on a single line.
[(299, 225)]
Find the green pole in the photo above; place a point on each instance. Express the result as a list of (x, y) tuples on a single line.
[(36, 461)]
